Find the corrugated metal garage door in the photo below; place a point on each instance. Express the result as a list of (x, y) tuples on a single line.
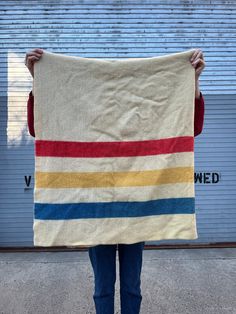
[(121, 29)]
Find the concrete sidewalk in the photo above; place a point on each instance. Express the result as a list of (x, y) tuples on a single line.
[(174, 281)]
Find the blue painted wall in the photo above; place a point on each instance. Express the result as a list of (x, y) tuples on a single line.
[(121, 29)]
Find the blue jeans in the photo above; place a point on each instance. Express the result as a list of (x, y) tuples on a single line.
[(103, 260)]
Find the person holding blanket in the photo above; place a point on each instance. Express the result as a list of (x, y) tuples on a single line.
[(103, 257)]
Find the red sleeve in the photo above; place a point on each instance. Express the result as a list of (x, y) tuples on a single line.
[(199, 115), (30, 114)]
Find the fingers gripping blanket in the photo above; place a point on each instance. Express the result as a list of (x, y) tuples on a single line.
[(114, 149)]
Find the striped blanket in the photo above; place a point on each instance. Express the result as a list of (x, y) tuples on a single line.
[(114, 149)]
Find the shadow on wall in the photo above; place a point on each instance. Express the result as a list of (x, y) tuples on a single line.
[(17, 154)]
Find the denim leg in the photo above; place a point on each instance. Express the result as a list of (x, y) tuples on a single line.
[(130, 264), (103, 260)]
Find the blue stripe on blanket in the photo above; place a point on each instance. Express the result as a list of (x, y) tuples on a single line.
[(114, 209)]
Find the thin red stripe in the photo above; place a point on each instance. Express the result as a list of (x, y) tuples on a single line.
[(114, 149)]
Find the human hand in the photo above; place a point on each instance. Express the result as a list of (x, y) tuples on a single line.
[(197, 61), (31, 57)]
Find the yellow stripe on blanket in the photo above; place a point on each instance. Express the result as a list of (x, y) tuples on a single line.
[(113, 179)]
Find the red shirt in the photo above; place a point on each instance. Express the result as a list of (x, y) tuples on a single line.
[(198, 114)]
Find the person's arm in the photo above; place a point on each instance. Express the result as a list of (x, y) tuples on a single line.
[(31, 57), (199, 114), (30, 114)]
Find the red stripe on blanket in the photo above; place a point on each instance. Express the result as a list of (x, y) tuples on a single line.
[(114, 149)]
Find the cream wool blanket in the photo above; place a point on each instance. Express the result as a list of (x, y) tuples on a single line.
[(114, 150)]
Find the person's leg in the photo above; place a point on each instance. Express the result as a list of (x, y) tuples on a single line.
[(103, 260), (130, 264)]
